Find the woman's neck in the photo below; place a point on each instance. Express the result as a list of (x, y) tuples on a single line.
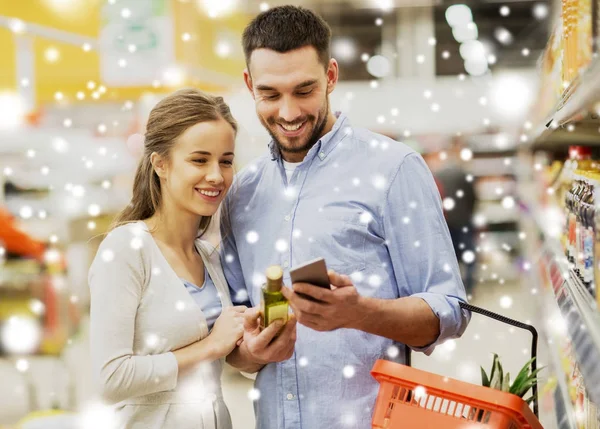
[(175, 228)]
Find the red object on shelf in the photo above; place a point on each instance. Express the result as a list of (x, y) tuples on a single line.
[(410, 398), (580, 152), (15, 240)]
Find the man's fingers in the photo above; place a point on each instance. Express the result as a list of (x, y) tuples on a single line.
[(339, 280), (318, 293), (263, 339)]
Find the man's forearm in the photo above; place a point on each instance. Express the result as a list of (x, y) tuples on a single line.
[(407, 320), (239, 360)]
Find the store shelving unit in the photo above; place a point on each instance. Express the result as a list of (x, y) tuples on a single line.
[(574, 105)]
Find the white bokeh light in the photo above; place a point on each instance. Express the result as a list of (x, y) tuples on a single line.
[(466, 154), (508, 203), (94, 210), (349, 371), (468, 257), (458, 14), (506, 302), (22, 365), (254, 394), (252, 237), (21, 335), (379, 66), (281, 245), (12, 110), (344, 49), (449, 203)]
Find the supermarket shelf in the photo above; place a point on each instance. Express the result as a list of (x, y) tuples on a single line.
[(573, 105), (577, 308), (564, 411)]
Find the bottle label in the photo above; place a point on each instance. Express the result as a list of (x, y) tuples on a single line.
[(277, 311)]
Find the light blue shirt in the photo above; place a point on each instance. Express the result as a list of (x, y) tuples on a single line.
[(370, 207), (207, 298)]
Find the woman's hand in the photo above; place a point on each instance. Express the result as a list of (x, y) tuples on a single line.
[(228, 331)]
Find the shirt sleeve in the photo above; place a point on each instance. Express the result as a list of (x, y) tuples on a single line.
[(232, 267), (420, 247), (116, 281)]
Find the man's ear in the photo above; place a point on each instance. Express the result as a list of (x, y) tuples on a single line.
[(159, 165), (333, 73), (248, 81)]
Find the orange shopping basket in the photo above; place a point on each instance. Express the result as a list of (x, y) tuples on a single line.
[(410, 398)]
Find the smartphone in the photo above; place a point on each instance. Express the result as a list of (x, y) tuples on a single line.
[(313, 272)]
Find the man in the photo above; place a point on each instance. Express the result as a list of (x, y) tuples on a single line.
[(452, 182), (365, 203)]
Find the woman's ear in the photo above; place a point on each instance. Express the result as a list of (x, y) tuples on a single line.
[(159, 165)]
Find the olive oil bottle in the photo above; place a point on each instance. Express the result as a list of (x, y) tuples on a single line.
[(273, 304)]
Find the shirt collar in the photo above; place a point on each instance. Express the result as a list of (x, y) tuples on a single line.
[(325, 144)]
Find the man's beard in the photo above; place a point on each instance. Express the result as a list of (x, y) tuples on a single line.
[(320, 123)]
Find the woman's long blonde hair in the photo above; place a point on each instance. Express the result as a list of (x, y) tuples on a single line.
[(168, 120)]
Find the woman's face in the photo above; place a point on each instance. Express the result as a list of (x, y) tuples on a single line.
[(199, 171)]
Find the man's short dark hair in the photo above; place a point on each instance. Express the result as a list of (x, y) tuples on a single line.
[(286, 28)]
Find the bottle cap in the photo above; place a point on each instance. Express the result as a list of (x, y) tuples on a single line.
[(274, 278)]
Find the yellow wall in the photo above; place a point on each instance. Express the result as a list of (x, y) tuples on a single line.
[(75, 67)]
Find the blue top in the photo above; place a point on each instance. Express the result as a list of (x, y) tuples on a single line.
[(370, 207), (207, 298)]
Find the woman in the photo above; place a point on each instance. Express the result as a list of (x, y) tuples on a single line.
[(161, 316)]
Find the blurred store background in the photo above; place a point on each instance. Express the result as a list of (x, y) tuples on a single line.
[(498, 96)]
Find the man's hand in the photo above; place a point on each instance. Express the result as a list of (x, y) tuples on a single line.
[(337, 308), (264, 347)]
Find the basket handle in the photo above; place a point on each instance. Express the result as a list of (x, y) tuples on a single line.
[(512, 322)]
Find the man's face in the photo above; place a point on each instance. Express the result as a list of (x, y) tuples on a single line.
[(291, 94)]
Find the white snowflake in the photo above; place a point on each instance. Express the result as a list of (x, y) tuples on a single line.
[(417, 243), (406, 220), (22, 365), (229, 258), (136, 243), (37, 307), (357, 277), (374, 143), (349, 420), (366, 217), (108, 255), (374, 281), (508, 203), (356, 181), (379, 182), (449, 204), (180, 305), (252, 237), (290, 192), (506, 302), (522, 236), (254, 395), (303, 361), (241, 295), (281, 245), (393, 352), (460, 193), (156, 271), (420, 392), (258, 279), (447, 268), (152, 340), (413, 204), (349, 371), (296, 233), (468, 257)]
